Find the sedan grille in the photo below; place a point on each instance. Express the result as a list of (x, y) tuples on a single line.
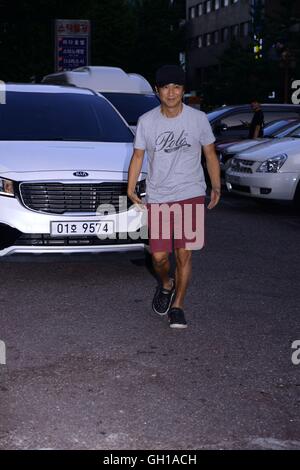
[(241, 166), (58, 198)]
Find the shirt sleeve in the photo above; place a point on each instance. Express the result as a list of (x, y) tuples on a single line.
[(139, 140), (206, 134)]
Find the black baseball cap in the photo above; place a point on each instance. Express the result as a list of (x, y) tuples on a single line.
[(170, 74)]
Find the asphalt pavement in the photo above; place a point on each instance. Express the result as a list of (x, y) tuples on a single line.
[(89, 366)]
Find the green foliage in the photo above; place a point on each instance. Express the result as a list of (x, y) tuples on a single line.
[(240, 77)]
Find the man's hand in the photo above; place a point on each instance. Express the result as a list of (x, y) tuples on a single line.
[(215, 195), (136, 200), (213, 168), (133, 173)]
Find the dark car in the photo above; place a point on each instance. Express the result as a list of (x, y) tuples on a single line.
[(232, 122)]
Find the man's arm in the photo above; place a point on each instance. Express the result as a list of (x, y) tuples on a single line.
[(213, 168), (256, 131), (133, 174)]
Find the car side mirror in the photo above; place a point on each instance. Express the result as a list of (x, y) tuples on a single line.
[(221, 127)]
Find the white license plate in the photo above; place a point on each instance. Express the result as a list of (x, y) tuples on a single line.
[(85, 227)]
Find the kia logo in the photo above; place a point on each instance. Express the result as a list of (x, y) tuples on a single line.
[(80, 174)]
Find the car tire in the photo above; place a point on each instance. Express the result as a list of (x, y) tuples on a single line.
[(296, 199)]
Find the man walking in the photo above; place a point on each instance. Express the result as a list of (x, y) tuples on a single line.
[(172, 135)]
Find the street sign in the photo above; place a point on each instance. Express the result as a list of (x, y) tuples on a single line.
[(72, 44)]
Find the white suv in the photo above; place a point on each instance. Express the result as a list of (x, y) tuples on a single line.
[(64, 156)]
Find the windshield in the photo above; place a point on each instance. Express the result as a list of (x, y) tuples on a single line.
[(131, 105), (60, 116), (284, 130), (294, 133), (274, 127), (213, 115)]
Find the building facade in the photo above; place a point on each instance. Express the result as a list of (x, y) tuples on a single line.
[(211, 25)]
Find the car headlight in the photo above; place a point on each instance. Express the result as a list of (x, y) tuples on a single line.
[(272, 165), (6, 187)]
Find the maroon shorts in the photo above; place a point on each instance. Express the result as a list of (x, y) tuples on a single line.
[(180, 222)]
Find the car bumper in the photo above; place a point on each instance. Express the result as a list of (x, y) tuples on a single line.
[(279, 186), (26, 231)]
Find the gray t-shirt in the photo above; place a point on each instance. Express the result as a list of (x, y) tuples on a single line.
[(173, 147)]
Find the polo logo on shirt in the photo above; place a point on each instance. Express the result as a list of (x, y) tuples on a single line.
[(168, 142)]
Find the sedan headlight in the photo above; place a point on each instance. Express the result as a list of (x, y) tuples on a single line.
[(6, 187), (272, 165)]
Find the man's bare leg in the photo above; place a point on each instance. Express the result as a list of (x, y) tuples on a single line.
[(183, 275), (161, 266)]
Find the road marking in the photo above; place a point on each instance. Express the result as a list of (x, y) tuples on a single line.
[(2, 353)]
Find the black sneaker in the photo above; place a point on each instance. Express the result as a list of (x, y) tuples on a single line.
[(162, 299), (176, 318)]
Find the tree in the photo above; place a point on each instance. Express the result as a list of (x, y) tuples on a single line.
[(160, 37), (243, 75), (137, 35)]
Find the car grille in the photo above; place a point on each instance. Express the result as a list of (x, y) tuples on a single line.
[(241, 166), (58, 198)]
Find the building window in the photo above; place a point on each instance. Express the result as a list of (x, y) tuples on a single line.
[(199, 41), (234, 1), (225, 3), (208, 39), (200, 9), (234, 30), (224, 34), (215, 38), (216, 4), (193, 43), (244, 30), (207, 6), (192, 13)]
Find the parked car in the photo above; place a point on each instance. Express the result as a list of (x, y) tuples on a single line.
[(268, 171), (130, 93), (232, 122), (273, 130), (64, 156)]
